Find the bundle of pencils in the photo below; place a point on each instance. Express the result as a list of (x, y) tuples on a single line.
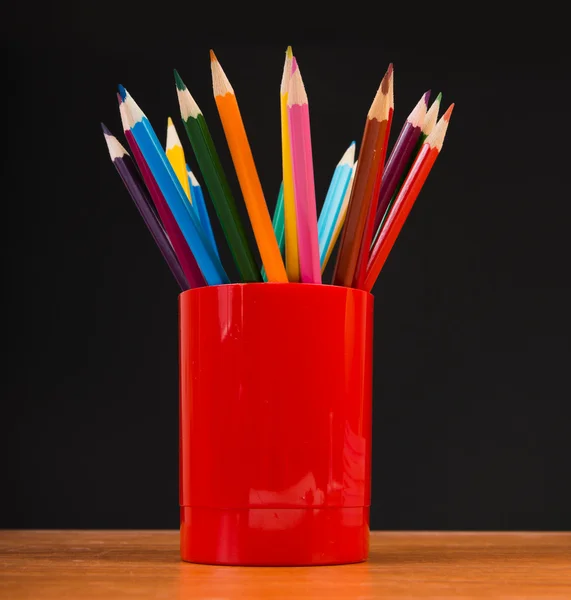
[(366, 205)]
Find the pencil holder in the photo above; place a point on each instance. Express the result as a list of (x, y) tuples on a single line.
[(275, 424)]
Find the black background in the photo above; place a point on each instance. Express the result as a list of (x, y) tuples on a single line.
[(472, 395)]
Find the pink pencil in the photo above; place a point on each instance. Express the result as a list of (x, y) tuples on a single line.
[(303, 181)]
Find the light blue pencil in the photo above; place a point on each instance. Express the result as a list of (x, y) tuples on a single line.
[(173, 192), (200, 206), (333, 201)]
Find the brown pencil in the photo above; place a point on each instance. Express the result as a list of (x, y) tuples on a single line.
[(370, 163)]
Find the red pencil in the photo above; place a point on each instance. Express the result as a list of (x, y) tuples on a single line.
[(405, 200)]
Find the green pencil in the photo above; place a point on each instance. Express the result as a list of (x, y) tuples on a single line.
[(427, 126), (216, 183), (278, 225)]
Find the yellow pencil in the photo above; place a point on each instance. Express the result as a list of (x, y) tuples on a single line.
[(291, 248), (247, 174), (175, 154)]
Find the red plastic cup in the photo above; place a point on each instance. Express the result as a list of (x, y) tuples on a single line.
[(275, 424)]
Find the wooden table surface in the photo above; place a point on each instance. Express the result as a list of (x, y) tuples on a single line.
[(145, 564)]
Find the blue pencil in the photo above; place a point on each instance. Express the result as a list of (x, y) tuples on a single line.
[(173, 192), (200, 207), (332, 205)]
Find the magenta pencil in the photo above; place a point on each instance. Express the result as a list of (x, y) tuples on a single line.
[(303, 179), (400, 156), (185, 256)]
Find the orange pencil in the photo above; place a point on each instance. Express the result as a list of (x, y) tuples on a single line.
[(247, 174), (367, 178), (405, 200)]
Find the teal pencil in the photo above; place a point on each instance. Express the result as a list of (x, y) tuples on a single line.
[(278, 225)]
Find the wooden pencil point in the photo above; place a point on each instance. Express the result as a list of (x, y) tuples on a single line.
[(383, 101), (296, 90), (289, 52), (115, 148), (213, 56), (220, 82), (286, 75), (431, 116), (448, 113), (386, 82), (179, 82)]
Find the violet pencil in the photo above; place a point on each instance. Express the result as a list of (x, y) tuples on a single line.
[(128, 172), (400, 156)]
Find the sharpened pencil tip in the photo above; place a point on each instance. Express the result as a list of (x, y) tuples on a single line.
[(446, 115), (179, 82), (293, 65), (122, 92), (426, 97), (352, 143), (289, 52), (386, 79), (105, 130), (169, 122), (439, 98), (213, 56)]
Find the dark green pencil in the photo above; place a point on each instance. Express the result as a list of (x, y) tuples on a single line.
[(216, 183)]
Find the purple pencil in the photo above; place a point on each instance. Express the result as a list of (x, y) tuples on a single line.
[(400, 155), (136, 188), (184, 254)]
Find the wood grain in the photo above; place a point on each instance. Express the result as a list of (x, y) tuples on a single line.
[(82, 565)]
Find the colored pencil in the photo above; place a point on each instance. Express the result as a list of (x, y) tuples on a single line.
[(364, 249), (400, 155), (427, 126), (278, 220), (333, 200), (303, 178), (247, 174), (185, 257), (173, 193), (278, 225), (200, 206), (341, 218), (128, 172), (216, 183), (363, 199), (291, 246), (405, 200), (175, 154)]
